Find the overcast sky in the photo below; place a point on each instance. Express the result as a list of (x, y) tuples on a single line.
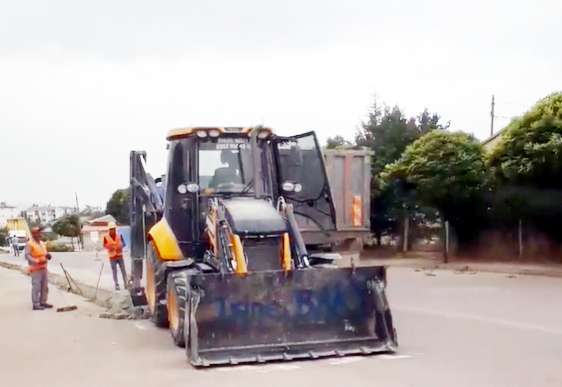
[(84, 82)]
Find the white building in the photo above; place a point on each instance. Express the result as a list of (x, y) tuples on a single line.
[(7, 212), (47, 214)]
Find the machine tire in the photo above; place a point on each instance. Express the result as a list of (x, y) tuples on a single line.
[(176, 297), (156, 287)]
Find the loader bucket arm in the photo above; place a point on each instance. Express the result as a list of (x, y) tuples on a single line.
[(145, 210)]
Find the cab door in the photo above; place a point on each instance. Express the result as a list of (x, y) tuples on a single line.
[(299, 160)]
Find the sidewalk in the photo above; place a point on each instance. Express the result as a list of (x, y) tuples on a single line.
[(515, 268)]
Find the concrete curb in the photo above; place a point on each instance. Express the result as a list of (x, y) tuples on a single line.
[(553, 271), (118, 305), (512, 269)]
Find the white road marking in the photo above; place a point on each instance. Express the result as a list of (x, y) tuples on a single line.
[(261, 369), (489, 320), (346, 360), (393, 357), (140, 326)]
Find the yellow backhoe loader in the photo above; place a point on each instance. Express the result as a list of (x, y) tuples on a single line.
[(226, 266)]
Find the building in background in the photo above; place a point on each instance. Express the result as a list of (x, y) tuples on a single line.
[(492, 142), (94, 230), (47, 214), (7, 212)]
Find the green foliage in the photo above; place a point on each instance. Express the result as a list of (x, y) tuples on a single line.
[(444, 169), (526, 169), (118, 206), (530, 151), (49, 236), (4, 236), (90, 212), (58, 247), (388, 131), (68, 226), (338, 142)]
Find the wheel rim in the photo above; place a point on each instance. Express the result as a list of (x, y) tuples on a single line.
[(150, 288), (173, 312)]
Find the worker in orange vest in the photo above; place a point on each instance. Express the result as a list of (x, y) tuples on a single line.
[(114, 244), (37, 256)]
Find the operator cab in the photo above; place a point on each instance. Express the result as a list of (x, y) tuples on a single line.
[(206, 163)]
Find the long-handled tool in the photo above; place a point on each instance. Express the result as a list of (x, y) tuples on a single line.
[(66, 308), (69, 279)]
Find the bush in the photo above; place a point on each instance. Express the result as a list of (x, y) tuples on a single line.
[(4, 237), (58, 247)]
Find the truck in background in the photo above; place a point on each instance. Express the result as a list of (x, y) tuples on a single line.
[(18, 228), (349, 174)]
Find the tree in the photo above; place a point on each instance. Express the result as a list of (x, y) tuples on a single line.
[(68, 226), (118, 206), (526, 168), (387, 131), (445, 171), (4, 236), (92, 212), (530, 151), (338, 142)]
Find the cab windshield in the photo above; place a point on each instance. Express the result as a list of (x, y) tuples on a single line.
[(226, 166)]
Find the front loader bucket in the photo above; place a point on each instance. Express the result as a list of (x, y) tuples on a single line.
[(273, 315)]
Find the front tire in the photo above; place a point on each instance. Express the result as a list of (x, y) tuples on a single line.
[(156, 287), (176, 297)]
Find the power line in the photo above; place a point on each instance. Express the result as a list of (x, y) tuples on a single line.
[(514, 103)]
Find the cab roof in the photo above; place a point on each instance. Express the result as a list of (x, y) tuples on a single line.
[(184, 132)]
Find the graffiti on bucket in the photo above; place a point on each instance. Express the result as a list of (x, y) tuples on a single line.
[(300, 306)]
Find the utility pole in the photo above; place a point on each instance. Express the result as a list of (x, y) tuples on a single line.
[(80, 241), (492, 117)]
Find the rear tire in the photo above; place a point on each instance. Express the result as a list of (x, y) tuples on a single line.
[(156, 287), (176, 296)]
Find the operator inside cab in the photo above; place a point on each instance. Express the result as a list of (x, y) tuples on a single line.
[(229, 174)]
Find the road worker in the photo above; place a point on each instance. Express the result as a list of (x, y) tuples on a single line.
[(114, 243), (37, 256), (15, 246)]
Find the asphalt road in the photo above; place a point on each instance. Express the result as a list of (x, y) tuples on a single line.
[(454, 330)]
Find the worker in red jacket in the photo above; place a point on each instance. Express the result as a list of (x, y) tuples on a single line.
[(37, 256), (114, 243)]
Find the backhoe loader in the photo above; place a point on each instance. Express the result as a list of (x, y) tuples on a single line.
[(225, 265)]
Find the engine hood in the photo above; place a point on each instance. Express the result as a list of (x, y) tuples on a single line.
[(253, 217)]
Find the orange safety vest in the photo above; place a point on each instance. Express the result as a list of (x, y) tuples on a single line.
[(38, 251), (114, 246)]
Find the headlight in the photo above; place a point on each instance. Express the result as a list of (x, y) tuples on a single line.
[(214, 133), (201, 133), (288, 186), (263, 134), (182, 189), (193, 187), (190, 187), (298, 188)]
